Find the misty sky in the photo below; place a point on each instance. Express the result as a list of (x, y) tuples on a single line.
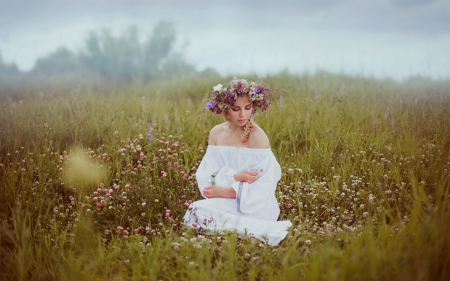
[(393, 38)]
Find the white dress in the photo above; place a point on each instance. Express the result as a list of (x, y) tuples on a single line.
[(255, 209)]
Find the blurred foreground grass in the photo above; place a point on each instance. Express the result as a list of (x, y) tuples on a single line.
[(365, 181)]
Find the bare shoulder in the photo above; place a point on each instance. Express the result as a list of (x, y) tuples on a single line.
[(258, 138), (215, 133)]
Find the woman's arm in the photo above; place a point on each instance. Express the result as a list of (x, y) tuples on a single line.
[(219, 192)]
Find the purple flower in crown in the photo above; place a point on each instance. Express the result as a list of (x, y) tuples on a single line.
[(211, 105), (231, 100)]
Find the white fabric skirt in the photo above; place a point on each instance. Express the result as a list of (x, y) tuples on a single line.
[(220, 214)]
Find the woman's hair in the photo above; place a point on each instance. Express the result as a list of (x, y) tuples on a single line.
[(247, 129)]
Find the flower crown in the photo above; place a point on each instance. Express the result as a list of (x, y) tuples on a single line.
[(224, 98)]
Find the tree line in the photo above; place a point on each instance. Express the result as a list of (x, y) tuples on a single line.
[(123, 57)]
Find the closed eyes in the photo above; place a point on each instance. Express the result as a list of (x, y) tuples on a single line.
[(246, 108)]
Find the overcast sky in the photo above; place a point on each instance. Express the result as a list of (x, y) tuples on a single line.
[(382, 38)]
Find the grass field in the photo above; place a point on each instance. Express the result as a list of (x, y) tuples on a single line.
[(96, 176)]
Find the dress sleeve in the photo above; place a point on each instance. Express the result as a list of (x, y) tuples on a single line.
[(254, 197), (223, 175)]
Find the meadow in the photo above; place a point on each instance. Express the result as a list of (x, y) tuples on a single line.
[(96, 175)]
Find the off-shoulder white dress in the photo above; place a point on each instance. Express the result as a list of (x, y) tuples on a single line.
[(255, 209)]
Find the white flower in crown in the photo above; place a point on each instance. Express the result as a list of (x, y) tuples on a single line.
[(217, 88)]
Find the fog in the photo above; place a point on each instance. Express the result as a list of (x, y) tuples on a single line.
[(384, 38)]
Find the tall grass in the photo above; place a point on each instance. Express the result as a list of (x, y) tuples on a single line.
[(365, 181)]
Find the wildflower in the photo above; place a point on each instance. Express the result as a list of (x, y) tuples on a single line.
[(156, 200), (218, 87)]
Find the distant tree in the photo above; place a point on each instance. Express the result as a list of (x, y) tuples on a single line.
[(124, 56), (112, 57), (157, 49), (175, 67), (7, 70), (61, 61)]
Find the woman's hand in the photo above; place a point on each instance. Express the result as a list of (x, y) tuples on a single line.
[(247, 177), (219, 192)]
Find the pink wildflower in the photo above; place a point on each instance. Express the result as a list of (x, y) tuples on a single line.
[(156, 200), (95, 199), (99, 205), (107, 195)]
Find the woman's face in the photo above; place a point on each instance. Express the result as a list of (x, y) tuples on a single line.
[(240, 111)]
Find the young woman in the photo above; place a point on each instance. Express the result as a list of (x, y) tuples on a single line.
[(239, 173)]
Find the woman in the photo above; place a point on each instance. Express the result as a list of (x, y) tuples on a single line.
[(239, 173)]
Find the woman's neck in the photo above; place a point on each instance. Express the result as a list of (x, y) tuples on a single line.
[(233, 128)]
